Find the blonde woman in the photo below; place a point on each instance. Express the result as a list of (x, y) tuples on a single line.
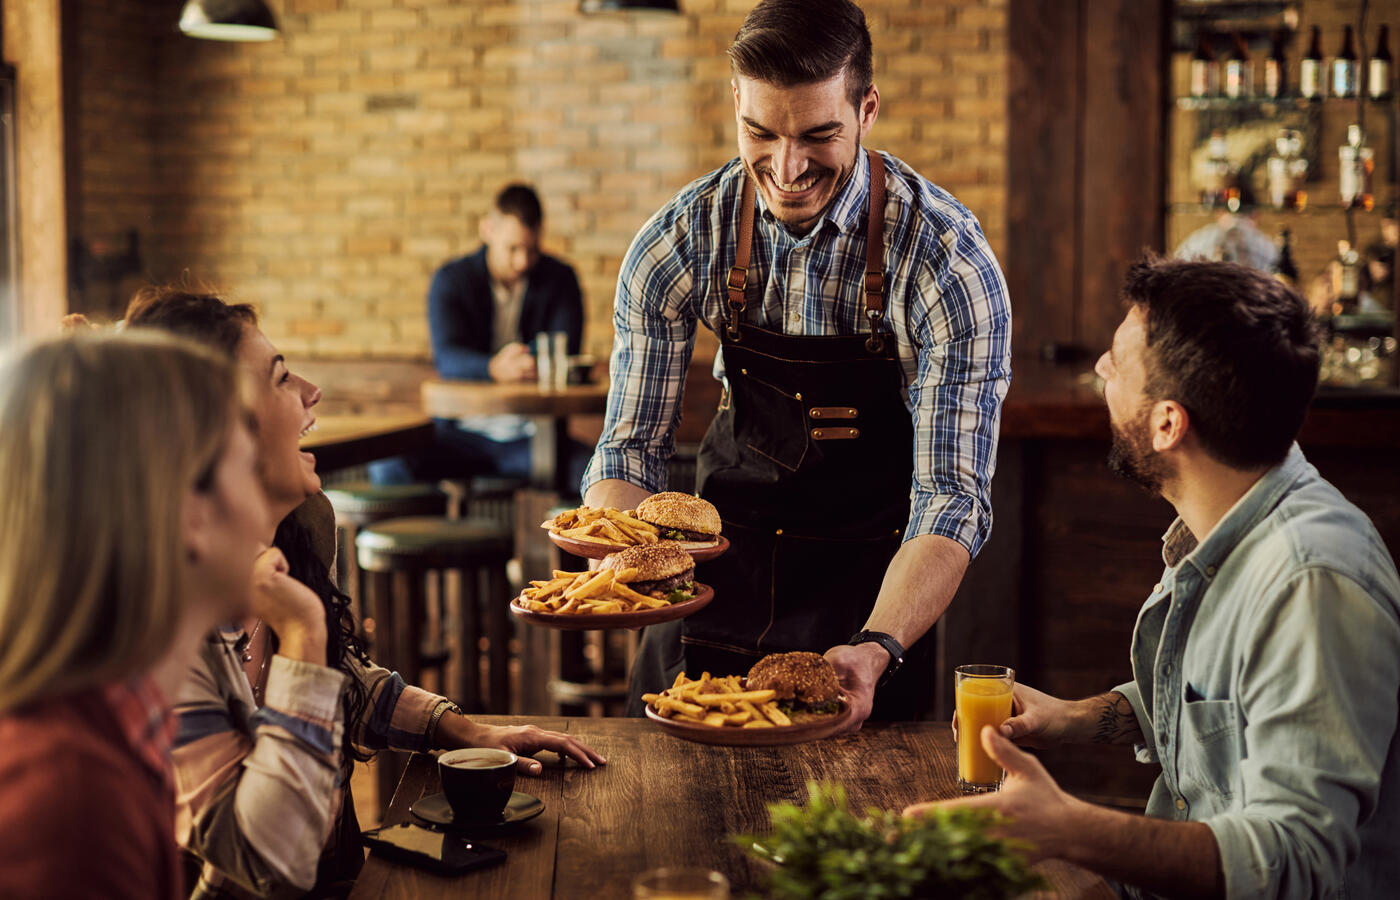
[(131, 518)]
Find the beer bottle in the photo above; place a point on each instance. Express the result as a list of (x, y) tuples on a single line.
[(1344, 67), (1205, 69), (1276, 69), (1238, 80), (1310, 68), (1378, 74)]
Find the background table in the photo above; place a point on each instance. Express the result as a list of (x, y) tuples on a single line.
[(343, 441), (550, 410), (665, 801)]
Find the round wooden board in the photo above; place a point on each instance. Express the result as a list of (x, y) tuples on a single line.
[(601, 621), (590, 550), (729, 736)]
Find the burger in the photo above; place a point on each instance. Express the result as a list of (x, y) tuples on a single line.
[(662, 570), (684, 518), (804, 683)]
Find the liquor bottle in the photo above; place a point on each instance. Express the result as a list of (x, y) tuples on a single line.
[(1286, 270), (1276, 68), (1357, 164), (1216, 172), (1310, 68), (1378, 72), (1205, 69), (1287, 171), (1344, 67), (1348, 283), (1239, 80)]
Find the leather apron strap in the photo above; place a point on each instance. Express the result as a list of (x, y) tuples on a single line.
[(737, 282)]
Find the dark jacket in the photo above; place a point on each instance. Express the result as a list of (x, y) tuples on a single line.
[(461, 312)]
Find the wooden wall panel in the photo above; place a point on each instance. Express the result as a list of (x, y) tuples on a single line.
[(1121, 194), (1043, 137), (1084, 169)]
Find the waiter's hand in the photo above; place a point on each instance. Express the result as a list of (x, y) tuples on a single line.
[(858, 668), (513, 363)]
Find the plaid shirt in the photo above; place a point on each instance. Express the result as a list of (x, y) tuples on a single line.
[(946, 306), (147, 722)]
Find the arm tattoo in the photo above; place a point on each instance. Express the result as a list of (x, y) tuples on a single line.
[(1116, 722)]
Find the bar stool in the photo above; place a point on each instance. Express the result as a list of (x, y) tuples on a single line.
[(360, 503), (399, 555)]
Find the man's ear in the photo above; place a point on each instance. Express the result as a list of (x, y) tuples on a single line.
[(1168, 423), (869, 110), (486, 227), (734, 86)]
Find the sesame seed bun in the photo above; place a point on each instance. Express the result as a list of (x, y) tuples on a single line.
[(697, 518), (662, 562), (803, 678)]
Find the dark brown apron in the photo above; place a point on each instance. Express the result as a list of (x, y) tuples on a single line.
[(809, 461)]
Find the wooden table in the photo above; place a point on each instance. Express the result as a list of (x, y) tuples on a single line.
[(343, 441), (661, 800), (550, 410)]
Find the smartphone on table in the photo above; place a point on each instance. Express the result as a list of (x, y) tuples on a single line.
[(436, 851)]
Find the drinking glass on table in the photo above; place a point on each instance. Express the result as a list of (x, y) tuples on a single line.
[(559, 361), (983, 697), (544, 360), (680, 884)]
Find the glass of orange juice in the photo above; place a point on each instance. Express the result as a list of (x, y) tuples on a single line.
[(983, 695), (680, 884)]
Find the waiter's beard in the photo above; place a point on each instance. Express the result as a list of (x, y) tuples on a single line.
[(785, 211), (1131, 455)]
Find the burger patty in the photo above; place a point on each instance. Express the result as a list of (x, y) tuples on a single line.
[(665, 585), (679, 534)]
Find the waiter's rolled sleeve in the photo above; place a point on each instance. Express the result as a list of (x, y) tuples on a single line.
[(962, 325), (652, 342)]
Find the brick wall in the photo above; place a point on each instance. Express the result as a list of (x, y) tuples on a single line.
[(325, 175)]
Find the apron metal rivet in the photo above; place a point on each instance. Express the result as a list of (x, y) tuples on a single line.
[(816, 414), (852, 432), (851, 413), (779, 531), (798, 396), (743, 371)]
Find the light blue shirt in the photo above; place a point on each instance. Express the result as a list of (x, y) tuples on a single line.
[(946, 306), (1266, 679)]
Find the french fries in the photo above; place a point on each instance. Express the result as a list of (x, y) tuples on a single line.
[(718, 703), (592, 593), (602, 525)]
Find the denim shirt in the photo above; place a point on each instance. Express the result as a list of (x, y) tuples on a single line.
[(1266, 680)]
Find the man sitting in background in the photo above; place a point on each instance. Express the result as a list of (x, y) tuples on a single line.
[(484, 313), (1266, 663)]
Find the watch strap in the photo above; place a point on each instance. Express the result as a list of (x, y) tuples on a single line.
[(892, 646)]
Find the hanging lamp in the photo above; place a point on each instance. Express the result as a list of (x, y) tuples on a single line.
[(228, 20)]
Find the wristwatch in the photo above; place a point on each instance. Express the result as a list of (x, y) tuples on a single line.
[(892, 646)]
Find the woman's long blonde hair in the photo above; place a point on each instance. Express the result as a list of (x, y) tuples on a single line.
[(102, 436)]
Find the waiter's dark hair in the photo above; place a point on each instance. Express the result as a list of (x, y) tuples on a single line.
[(521, 201), (792, 42), (1236, 347)]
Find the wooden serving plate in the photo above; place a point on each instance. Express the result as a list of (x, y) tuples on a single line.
[(591, 550), (777, 736), (601, 621)]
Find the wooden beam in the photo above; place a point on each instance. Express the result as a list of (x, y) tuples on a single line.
[(32, 44)]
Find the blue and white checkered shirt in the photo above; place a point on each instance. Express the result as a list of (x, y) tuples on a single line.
[(946, 304)]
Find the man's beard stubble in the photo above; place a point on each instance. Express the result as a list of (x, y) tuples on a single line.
[(1131, 455)]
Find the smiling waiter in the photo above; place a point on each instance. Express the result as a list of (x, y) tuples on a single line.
[(865, 352)]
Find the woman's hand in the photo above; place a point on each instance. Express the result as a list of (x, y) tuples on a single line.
[(522, 740), (290, 608)]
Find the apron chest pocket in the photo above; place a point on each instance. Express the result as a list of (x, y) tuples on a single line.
[(770, 422)]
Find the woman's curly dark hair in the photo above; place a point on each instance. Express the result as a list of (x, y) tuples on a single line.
[(204, 317), (342, 636)]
